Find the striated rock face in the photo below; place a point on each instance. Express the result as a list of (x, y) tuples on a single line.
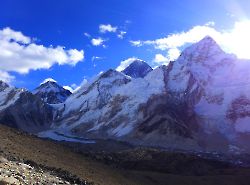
[(21, 109), (90, 104), (239, 109), (51, 93), (137, 69)]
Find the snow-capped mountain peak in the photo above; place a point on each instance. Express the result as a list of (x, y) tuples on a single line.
[(137, 69), (51, 92), (205, 49), (199, 102), (48, 80), (48, 86)]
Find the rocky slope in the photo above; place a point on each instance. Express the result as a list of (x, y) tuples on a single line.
[(51, 159), (14, 172), (21, 109), (46, 162)]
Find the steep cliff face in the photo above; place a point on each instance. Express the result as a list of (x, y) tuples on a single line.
[(215, 85)]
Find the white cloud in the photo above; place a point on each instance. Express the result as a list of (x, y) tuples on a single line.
[(126, 63), (73, 87), (98, 42), (173, 54), (6, 77), (121, 34), (104, 28), (8, 34), (94, 58), (48, 80), (235, 40), (75, 56), (87, 35), (136, 43), (128, 22), (180, 39), (210, 23), (20, 54), (160, 59)]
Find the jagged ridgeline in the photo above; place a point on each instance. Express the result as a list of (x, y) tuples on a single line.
[(198, 102)]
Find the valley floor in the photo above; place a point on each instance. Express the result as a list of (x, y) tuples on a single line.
[(24, 156)]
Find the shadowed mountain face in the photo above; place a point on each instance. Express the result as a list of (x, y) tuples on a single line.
[(23, 110), (52, 93), (137, 69)]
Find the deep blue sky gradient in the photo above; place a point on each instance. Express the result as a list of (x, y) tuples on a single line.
[(63, 22)]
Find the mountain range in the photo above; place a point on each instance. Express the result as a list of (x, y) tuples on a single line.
[(199, 102)]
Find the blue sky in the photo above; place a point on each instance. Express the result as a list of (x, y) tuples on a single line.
[(74, 23)]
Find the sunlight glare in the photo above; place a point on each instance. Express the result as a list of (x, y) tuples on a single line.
[(238, 40)]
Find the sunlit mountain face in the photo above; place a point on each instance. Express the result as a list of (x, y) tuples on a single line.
[(125, 92)]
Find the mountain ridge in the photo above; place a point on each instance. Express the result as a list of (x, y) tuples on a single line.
[(190, 104)]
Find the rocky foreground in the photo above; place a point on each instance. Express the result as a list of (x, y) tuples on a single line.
[(13, 172), (26, 159)]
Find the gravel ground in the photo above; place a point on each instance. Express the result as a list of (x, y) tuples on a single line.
[(25, 157), (13, 172)]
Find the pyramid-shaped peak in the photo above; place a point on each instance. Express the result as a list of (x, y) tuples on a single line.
[(49, 81), (49, 85), (208, 40), (205, 48), (138, 62), (50, 92), (207, 44), (137, 69)]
